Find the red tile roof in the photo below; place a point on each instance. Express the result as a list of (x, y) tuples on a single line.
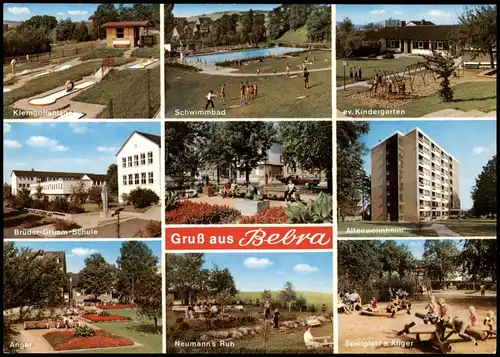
[(126, 24)]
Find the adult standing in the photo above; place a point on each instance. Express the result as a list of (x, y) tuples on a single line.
[(483, 289), (351, 74), (360, 73), (276, 317), (13, 64), (267, 310), (210, 99), (306, 78)]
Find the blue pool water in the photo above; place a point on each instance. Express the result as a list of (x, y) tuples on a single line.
[(240, 55)]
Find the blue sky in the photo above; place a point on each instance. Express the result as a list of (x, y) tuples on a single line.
[(76, 252), (471, 142), (312, 272), (364, 14), (184, 10), (67, 147), (24, 11), (417, 246)]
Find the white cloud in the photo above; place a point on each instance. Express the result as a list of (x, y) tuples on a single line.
[(305, 268), (43, 142), (377, 12), (106, 149), (77, 12), (60, 13), (12, 144), (478, 150), (397, 12), (20, 164), (257, 263), (439, 13), (78, 128), (83, 251), (18, 10), (6, 127)]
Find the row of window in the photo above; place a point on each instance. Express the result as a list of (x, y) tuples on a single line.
[(134, 160), (138, 179)]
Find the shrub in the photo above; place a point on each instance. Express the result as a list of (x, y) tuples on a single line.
[(59, 204), (268, 216), (201, 213), (65, 225), (104, 313), (318, 211), (389, 55), (74, 208), (40, 204), (84, 331), (22, 199), (143, 197), (171, 201), (154, 229), (95, 195)]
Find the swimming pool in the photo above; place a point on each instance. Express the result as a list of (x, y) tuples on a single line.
[(240, 55)]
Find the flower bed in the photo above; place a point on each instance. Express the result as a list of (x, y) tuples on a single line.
[(268, 216), (118, 306), (64, 340), (98, 318), (201, 213)]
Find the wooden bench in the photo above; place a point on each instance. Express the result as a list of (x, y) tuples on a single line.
[(121, 43), (43, 324), (280, 190)]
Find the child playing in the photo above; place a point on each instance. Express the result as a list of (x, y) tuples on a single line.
[(432, 311), (473, 319)]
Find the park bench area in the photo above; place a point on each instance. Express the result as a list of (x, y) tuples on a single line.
[(34, 325)]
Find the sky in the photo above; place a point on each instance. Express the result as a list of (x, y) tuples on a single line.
[(76, 252), (24, 11), (364, 14), (66, 147), (417, 246), (471, 142), (185, 10), (311, 272)]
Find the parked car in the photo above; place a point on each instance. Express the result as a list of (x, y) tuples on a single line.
[(297, 180)]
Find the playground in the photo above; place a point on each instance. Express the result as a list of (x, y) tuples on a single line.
[(62, 90), (359, 333), (281, 93), (413, 90)]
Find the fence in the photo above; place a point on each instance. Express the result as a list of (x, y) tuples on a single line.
[(140, 100), (78, 49)]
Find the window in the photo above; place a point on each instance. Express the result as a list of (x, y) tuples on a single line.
[(143, 159), (136, 179), (143, 178), (130, 179), (394, 44), (120, 32), (440, 45), (150, 177), (150, 157), (136, 160), (129, 160), (124, 162)]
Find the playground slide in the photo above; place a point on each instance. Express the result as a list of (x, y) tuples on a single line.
[(71, 116), (52, 98), (143, 64)]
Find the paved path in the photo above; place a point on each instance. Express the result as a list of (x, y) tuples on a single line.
[(128, 53), (442, 230), (231, 72), (453, 113)]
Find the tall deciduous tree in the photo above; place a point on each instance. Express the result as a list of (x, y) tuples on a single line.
[(149, 297), (484, 192), (476, 32), (221, 285), (319, 24), (96, 278), (308, 145), (169, 21), (440, 259), (112, 178), (185, 275), (479, 259), (288, 295), (350, 172)]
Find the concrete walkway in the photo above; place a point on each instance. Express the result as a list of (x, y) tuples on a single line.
[(442, 230), (231, 72), (453, 113)]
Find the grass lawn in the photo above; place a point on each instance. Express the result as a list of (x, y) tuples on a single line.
[(97, 54), (295, 36), (277, 95), (147, 52), (50, 81), (318, 299), (368, 67), (472, 228), (128, 89), (92, 207), (270, 63), (408, 228), (139, 330), (468, 96)]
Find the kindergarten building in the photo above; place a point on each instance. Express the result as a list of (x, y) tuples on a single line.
[(139, 164)]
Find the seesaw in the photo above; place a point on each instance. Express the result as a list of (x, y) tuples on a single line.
[(381, 313)]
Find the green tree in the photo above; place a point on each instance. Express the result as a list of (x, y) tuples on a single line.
[(440, 259), (184, 275), (136, 259), (308, 145), (479, 258), (266, 296), (31, 279), (169, 21), (45, 23), (348, 40), (79, 194), (484, 192), (350, 172), (301, 303), (443, 66), (95, 195), (148, 297), (476, 32), (65, 30), (275, 24), (112, 179), (319, 24), (82, 32), (96, 278), (104, 13), (221, 285), (288, 295), (7, 192)]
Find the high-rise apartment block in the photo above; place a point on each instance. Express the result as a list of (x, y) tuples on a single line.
[(413, 179)]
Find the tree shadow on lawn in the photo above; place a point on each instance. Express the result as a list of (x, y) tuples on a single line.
[(316, 84), (472, 99), (144, 328)]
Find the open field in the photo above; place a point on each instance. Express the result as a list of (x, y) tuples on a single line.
[(278, 96), (356, 328), (368, 67), (473, 227), (318, 299)]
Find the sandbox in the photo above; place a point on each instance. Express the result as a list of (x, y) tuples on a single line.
[(144, 64), (52, 98)]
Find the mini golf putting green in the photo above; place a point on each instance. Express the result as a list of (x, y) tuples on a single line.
[(52, 98), (143, 64)]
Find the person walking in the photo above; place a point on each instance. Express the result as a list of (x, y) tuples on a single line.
[(359, 73), (210, 99), (306, 78), (276, 317), (13, 64)]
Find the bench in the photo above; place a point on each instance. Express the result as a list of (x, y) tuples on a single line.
[(179, 308), (121, 43), (324, 342), (43, 324), (280, 190)]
